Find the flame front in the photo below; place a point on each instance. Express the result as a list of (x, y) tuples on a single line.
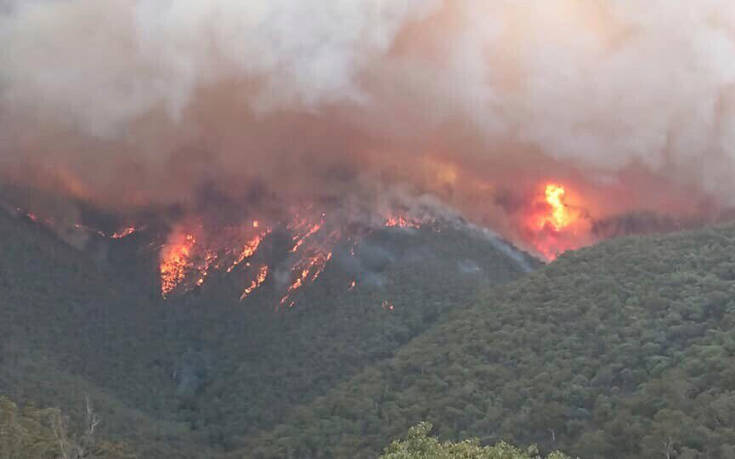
[(125, 232), (249, 248), (259, 279), (194, 251), (176, 261), (400, 221), (554, 225), (299, 239), (309, 270), (559, 216)]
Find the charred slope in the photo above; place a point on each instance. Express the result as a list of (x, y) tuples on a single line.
[(201, 369), (621, 350)]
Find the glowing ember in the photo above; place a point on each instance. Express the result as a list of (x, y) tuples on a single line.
[(125, 232), (388, 306), (259, 279), (36, 219), (175, 261), (299, 239), (353, 284), (313, 265), (248, 249), (401, 222), (209, 258), (319, 266)]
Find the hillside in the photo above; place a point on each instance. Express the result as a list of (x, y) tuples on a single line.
[(200, 370), (620, 350), (68, 330)]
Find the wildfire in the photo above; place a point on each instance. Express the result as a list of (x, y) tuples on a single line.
[(249, 249), (309, 271), (176, 261), (555, 225), (59, 227), (300, 239), (125, 232), (194, 251), (209, 258), (259, 279), (401, 222), (560, 216)]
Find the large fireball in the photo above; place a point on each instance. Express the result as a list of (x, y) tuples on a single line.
[(555, 225)]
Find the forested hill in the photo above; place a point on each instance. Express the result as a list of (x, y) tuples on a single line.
[(69, 330), (191, 375), (621, 350)]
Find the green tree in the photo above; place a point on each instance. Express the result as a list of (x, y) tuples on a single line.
[(419, 445), (39, 433)]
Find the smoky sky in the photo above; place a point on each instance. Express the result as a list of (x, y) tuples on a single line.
[(130, 102)]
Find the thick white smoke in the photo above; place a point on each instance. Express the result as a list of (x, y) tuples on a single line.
[(498, 87), (106, 63)]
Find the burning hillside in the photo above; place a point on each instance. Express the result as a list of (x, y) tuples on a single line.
[(547, 124), (194, 250), (554, 225)]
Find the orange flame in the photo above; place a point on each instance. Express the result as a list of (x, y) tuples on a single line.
[(401, 222), (125, 232), (259, 279), (555, 225), (314, 265), (249, 249), (209, 258), (175, 261), (560, 217), (299, 239)]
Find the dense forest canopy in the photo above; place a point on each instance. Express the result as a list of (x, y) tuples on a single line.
[(622, 350), (200, 371)]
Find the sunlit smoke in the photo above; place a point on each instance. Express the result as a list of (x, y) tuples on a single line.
[(466, 107)]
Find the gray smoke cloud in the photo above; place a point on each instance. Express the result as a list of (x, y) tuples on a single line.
[(106, 64), (143, 100)]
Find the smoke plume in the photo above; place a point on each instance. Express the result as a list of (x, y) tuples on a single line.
[(128, 104)]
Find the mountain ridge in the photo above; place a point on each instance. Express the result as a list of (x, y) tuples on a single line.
[(583, 355), (192, 361)]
